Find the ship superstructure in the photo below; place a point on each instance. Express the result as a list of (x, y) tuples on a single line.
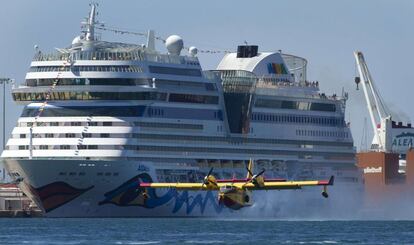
[(101, 116)]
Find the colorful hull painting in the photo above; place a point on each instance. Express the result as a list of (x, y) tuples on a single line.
[(128, 194), (56, 194)]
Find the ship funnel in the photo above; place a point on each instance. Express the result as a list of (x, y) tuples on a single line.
[(247, 51)]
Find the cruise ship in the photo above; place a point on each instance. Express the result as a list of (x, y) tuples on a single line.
[(101, 116)]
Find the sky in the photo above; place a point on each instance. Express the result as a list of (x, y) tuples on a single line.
[(325, 32)]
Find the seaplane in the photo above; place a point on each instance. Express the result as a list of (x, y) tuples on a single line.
[(237, 193)]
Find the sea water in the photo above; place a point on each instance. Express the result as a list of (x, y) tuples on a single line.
[(202, 231)]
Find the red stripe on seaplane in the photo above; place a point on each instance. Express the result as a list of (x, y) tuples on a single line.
[(246, 180), (144, 184)]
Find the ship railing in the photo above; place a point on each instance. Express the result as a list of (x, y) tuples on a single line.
[(313, 86), (243, 81), (270, 82), (312, 94), (98, 55), (89, 55), (162, 58)]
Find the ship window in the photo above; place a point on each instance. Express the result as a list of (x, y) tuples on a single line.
[(289, 105), (92, 81), (104, 135), (174, 71), (66, 95), (168, 125), (82, 174), (268, 103), (285, 104), (70, 135), (296, 119), (65, 147), (43, 147), (22, 147), (211, 87), (92, 147), (121, 111), (76, 69), (62, 173), (99, 174), (193, 98), (322, 107), (87, 135), (96, 96), (22, 136), (107, 124)]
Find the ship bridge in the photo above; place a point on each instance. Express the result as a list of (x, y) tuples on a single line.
[(271, 65)]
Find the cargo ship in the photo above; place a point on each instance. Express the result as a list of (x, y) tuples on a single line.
[(388, 163)]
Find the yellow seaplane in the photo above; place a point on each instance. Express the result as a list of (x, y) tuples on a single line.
[(237, 193)]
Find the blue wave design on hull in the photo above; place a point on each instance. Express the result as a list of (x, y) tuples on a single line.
[(198, 200), (128, 194)]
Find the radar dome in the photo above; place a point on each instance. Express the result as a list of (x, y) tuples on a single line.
[(193, 51), (174, 44)]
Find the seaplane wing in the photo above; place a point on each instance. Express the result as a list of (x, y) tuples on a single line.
[(266, 185), (278, 185)]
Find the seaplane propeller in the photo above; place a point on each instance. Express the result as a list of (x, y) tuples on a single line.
[(254, 178), (209, 179)]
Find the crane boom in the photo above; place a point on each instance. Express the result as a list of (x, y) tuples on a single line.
[(377, 109)]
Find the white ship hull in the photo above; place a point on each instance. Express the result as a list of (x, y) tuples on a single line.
[(89, 195)]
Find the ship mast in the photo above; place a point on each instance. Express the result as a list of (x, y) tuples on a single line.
[(90, 32), (90, 23)]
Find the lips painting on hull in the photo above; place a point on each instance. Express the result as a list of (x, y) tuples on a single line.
[(128, 194), (56, 194)]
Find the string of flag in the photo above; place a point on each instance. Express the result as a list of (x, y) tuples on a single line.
[(120, 31), (161, 39), (50, 90), (46, 99)]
